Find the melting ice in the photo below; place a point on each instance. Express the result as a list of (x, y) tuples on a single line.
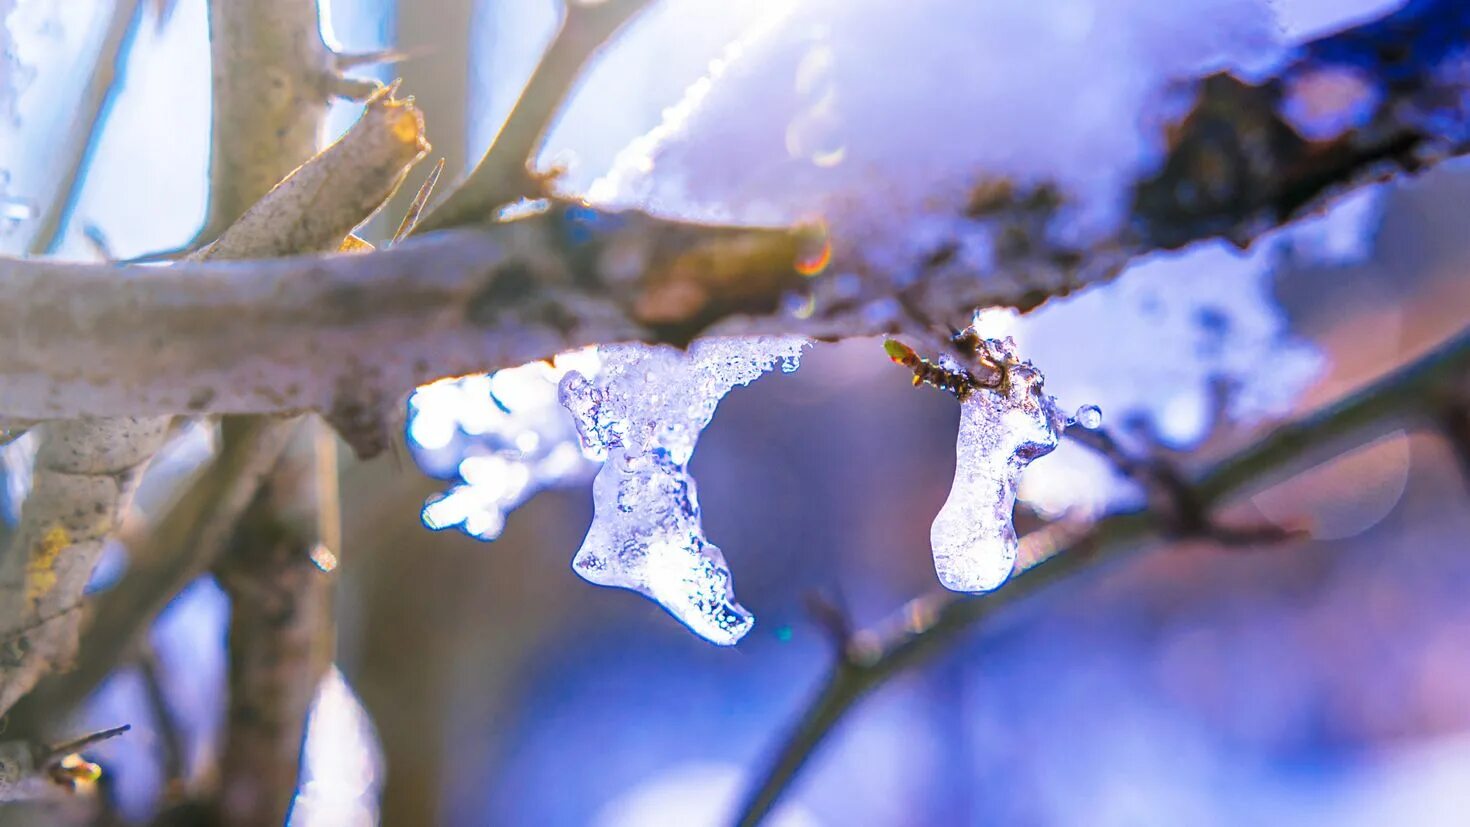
[(644, 412), (1002, 429)]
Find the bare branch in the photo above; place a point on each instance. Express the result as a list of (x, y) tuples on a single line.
[(86, 130), (273, 78), (85, 474), (86, 468), (1348, 108), (281, 643), (1454, 426), (1059, 551), (317, 205), (165, 722), (503, 174), (350, 335)]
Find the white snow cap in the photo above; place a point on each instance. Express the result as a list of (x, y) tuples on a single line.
[(869, 111)]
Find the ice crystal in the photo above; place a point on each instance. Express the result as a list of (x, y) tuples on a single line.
[(500, 437), (643, 413), (1002, 429)]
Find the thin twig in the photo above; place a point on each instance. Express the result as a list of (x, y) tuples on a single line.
[(503, 174), (55, 751), (91, 115), (1407, 394), (165, 722)]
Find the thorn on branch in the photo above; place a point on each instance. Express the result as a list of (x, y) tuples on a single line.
[(351, 88), (32, 770), (347, 61), (56, 752), (420, 200)]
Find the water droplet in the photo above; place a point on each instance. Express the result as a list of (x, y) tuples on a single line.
[(1089, 417)]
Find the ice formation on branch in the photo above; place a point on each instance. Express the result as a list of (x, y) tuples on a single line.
[(643, 413), (500, 437), (1006, 422), (1001, 431)]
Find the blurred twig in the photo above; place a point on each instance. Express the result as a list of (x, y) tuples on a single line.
[(504, 174), (280, 642), (165, 722), (871, 658), (86, 130), (1454, 425), (1171, 496)]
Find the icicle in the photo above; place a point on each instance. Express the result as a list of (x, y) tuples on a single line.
[(1002, 429), (644, 412)]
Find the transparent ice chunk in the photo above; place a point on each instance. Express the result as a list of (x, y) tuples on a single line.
[(644, 412), (1002, 429)]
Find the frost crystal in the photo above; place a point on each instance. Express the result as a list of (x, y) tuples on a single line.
[(643, 413), (1002, 429), (500, 437)]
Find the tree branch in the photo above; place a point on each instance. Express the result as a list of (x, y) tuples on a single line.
[(86, 468), (86, 131), (1346, 109), (1057, 552), (281, 643), (350, 337), (273, 78), (85, 473), (504, 174)]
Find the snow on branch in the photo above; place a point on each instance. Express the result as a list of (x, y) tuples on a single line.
[(1392, 94), (351, 336)]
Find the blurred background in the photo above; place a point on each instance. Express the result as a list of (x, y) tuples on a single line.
[(1319, 682)]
